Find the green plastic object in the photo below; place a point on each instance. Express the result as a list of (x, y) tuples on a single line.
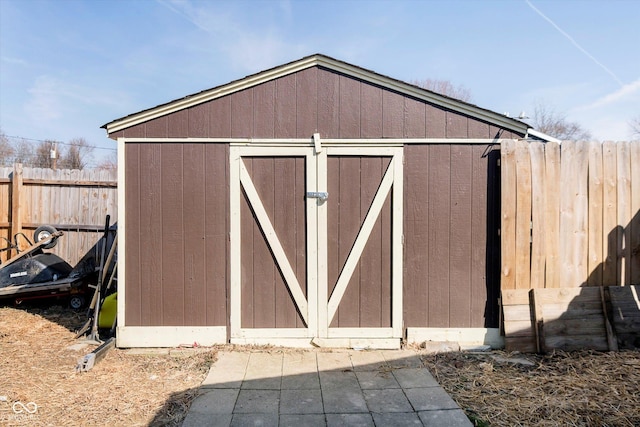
[(108, 311)]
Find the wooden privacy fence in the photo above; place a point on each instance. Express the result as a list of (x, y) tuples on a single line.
[(570, 219), (74, 201)]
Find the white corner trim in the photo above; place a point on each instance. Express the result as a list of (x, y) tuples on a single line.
[(122, 255), (463, 336), (170, 336)]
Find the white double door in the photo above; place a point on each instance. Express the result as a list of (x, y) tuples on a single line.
[(315, 243)]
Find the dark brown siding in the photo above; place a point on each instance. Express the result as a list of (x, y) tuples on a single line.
[(280, 184), (316, 100), (177, 205), (367, 299), (451, 242)]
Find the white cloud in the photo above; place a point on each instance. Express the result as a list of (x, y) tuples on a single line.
[(51, 98), (248, 47), (625, 93), (15, 61)]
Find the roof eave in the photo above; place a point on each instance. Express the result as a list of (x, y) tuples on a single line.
[(542, 136)]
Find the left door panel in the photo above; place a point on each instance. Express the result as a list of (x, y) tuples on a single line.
[(271, 297)]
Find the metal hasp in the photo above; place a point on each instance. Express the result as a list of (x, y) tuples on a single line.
[(322, 195)]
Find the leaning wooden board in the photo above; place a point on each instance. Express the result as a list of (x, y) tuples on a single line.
[(547, 319), (625, 311), (518, 324)]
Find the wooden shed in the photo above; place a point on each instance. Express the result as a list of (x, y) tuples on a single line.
[(315, 203)]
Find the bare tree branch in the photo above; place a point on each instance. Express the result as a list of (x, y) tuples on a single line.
[(547, 120), (76, 155), (109, 163), (634, 123), (444, 87), (6, 150)]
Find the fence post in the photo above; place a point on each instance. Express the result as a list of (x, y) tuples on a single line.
[(16, 189)]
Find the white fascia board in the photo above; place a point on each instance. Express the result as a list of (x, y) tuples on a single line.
[(431, 97), (208, 95), (543, 136), (331, 64)]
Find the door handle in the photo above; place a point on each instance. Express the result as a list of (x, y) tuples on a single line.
[(322, 195)]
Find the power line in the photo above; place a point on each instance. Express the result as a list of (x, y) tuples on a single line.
[(59, 142)]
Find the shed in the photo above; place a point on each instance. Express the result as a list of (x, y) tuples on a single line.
[(314, 203)]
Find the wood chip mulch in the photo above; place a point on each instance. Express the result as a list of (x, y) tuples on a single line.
[(38, 367), (582, 388)]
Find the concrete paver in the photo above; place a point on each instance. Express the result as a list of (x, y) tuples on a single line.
[(341, 393), (257, 402), (444, 418), (429, 399), (333, 361), (207, 420), (368, 361), (319, 388), (230, 370), (397, 419), (309, 381), (301, 402), (398, 359), (415, 377), (392, 400), (300, 371), (351, 420), (304, 420), (251, 420), (264, 372), (215, 401), (377, 380)]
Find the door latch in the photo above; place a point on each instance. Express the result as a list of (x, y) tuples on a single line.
[(322, 195)]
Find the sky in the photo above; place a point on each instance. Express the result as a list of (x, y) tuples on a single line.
[(67, 67)]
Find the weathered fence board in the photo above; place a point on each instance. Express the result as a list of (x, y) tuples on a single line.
[(508, 227), (552, 219), (572, 219), (634, 264), (570, 223), (74, 201)]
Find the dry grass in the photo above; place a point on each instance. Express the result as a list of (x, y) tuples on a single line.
[(572, 389), (122, 389)]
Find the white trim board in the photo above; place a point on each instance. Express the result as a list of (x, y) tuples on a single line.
[(463, 336), (122, 235), (355, 343), (309, 142), (170, 336)]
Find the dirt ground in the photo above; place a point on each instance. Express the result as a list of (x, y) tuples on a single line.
[(124, 389), (39, 385)]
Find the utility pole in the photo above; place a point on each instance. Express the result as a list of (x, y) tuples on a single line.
[(54, 155)]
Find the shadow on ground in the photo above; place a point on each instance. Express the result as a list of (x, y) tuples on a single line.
[(315, 387)]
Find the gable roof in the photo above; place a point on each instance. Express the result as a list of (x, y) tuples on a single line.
[(319, 60)]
